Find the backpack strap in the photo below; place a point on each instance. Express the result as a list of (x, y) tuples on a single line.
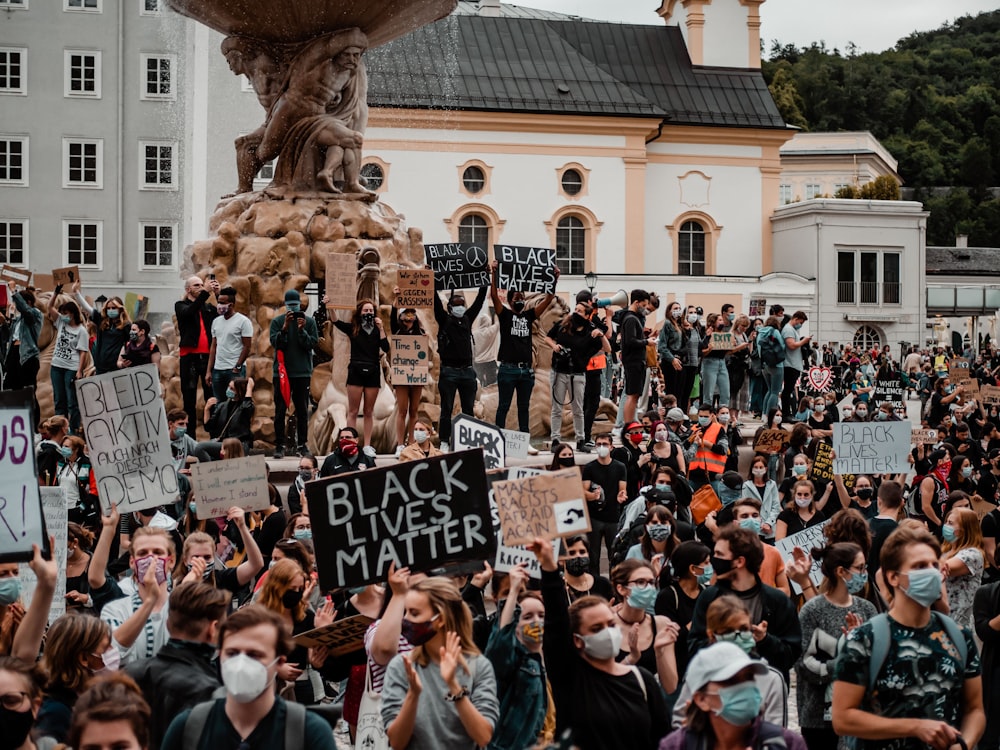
[(770, 736), (195, 724), (295, 726), (881, 640), (955, 634), (642, 682)]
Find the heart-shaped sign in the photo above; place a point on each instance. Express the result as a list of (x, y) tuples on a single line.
[(425, 282), (819, 378)]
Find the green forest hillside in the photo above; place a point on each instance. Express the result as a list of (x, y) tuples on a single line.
[(933, 101)]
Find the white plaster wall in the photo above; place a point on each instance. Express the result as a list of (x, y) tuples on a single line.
[(726, 35)]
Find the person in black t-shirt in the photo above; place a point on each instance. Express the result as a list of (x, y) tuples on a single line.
[(516, 356), (364, 375), (455, 350), (605, 480)]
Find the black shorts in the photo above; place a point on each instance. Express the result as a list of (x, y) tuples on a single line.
[(364, 374), (635, 378)]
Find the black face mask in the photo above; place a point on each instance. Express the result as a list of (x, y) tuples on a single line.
[(577, 566), (578, 320), (865, 493), (291, 598), (15, 725), (518, 305), (720, 566), (567, 461)]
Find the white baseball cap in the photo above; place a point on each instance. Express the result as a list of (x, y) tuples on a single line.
[(718, 663)]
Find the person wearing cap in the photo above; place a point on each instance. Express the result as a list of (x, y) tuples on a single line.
[(293, 337), (724, 710)]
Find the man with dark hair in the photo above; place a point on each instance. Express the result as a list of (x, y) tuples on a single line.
[(183, 673), (346, 457), (888, 502), (232, 333), (195, 315), (736, 560), (23, 360), (293, 336), (794, 363), (605, 480), (633, 348)]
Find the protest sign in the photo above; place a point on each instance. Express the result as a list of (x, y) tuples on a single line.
[(4, 295), (516, 443), (419, 514), (891, 391), (340, 637), (125, 427), (920, 436), (416, 288), (409, 360), (66, 276), (21, 520), (531, 270), (990, 395), (982, 507), (771, 441), (43, 282), (56, 520), (549, 505), (822, 465), (137, 305), (219, 485), (19, 276), (970, 390), (722, 341), (341, 281), (758, 307), (458, 265), (509, 555), (807, 540), (819, 379), (958, 369), (470, 433), (871, 447)]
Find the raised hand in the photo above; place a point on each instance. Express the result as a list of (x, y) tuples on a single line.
[(451, 659), (666, 636), (398, 580), (759, 631), (518, 576), (411, 675), (325, 616)]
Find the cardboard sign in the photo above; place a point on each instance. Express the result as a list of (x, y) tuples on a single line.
[(807, 540), (125, 427), (722, 341), (416, 288), (458, 265), (470, 433), (549, 505), (341, 281), (220, 485), (516, 443), (871, 447), (758, 307), (509, 555), (20, 276), (340, 637), (137, 305), (819, 379), (66, 276), (822, 466), (43, 282), (409, 360), (419, 514), (970, 390), (920, 436), (990, 395), (21, 520), (890, 391), (531, 270), (958, 369), (56, 520), (771, 441), (982, 507)]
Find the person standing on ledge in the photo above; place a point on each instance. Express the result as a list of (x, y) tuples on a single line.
[(195, 315), (293, 336), (232, 333)]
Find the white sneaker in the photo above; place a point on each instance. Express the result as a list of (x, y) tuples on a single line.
[(369, 451), (399, 449), (445, 448), (532, 450)]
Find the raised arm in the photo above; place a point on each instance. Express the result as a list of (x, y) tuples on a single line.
[(97, 572), (28, 639), (254, 559)]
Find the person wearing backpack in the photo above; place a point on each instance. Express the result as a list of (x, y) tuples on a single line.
[(771, 348), (910, 678)]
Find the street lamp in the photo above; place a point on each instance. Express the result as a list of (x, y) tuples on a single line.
[(590, 279), (99, 302)]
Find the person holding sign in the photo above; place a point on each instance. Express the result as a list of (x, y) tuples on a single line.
[(70, 357), (405, 323), (113, 324), (23, 360), (364, 374), (293, 336), (714, 373)]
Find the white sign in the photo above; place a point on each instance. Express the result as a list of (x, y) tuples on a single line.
[(516, 443), (220, 485), (20, 505), (871, 447), (56, 521), (807, 540), (469, 433), (125, 427)]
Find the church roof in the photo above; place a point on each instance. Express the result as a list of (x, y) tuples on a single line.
[(963, 261), (563, 65)]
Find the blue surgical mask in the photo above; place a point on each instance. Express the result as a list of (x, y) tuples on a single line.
[(799, 470), (857, 582), (706, 575), (65, 452), (193, 507), (64, 319), (966, 471), (881, 416), (797, 326), (723, 419), (642, 598), (10, 590), (751, 523), (458, 311), (420, 436), (663, 487), (230, 393), (180, 432), (742, 638), (732, 317), (924, 586), (948, 533), (704, 421), (113, 313), (740, 703), (301, 534)]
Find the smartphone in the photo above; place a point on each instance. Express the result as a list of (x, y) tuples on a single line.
[(211, 277)]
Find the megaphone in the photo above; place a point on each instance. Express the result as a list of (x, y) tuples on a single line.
[(620, 299)]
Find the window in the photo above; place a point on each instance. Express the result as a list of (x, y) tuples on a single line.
[(13, 73), (868, 277), (784, 194), (572, 182), (90, 6), (14, 4), (83, 242), (263, 178), (14, 241), (474, 230), (474, 179), (812, 190), (157, 77), (13, 159), (571, 245), (83, 163), (691, 249), (149, 7), (840, 186), (846, 291), (867, 338), (82, 73), (373, 174), (891, 280), (157, 166), (157, 239)]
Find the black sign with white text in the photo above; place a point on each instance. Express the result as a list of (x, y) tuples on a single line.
[(531, 270), (458, 265)]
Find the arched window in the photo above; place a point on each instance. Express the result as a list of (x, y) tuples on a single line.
[(571, 245), (374, 175), (475, 230), (867, 338), (691, 249)]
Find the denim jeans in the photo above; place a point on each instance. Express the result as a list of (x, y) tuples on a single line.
[(221, 380), (64, 395), (774, 377), (567, 389), (511, 380), (758, 390), (714, 376), (460, 380)]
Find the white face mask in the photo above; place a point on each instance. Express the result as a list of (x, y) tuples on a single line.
[(777, 421), (692, 318), (245, 678), (420, 436), (803, 502), (603, 451), (603, 645), (760, 471)]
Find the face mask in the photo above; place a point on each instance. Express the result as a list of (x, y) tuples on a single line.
[(113, 313), (692, 318), (723, 418), (848, 413), (635, 438), (661, 436), (10, 590), (15, 726), (305, 474), (797, 326), (881, 416), (676, 313), (760, 471), (230, 393), (193, 507), (731, 316), (603, 451), (291, 599), (532, 632), (819, 408), (856, 582), (223, 309), (720, 566), (420, 436), (706, 575), (641, 598), (925, 586), (740, 703), (142, 565), (112, 660), (418, 633), (349, 447), (966, 471), (799, 470), (458, 311), (293, 306), (663, 487), (704, 421), (245, 678), (518, 305), (577, 566), (64, 319), (865, 493), (603, 645), (742, 638), (65, 452), (803, 502), (180, 432), (643, 311), (368, 319), (862, 413), (133, 336), (777, 421), (567, 461), (301, 534), (948, 533), (659, 532), (751, 523)]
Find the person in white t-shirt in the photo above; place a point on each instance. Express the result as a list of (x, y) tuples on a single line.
[(70, 358), (232, 333)]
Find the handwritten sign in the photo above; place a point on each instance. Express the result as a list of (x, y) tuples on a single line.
[(416, 288), (990, 395), (458, 265), (920, 436), (871, 447), (822, 465), (56, 523), (341, 281), (531, 270), (219, 485), (982, 507), (771, 441), (549, 505), (340, 637), (419, 514), (958, 369), (66, 276), (19, 276), (126, 429), (723, 341), (758, 307), (516, 443), (21, 523), (43, 282), (819, 379), (891, 391), (471, 433), (807, 540), (409, 360), (970, 390), (509, 555)]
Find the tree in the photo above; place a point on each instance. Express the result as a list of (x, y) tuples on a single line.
[(787, 97)]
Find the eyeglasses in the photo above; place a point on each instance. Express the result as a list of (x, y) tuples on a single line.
[(12, 701), (642, 582)]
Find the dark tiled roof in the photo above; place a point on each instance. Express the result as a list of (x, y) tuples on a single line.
[(565, 67), (963, 261)]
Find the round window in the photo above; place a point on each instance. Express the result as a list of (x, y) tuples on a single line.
[(473, 179), (572, 182), (373, 175)]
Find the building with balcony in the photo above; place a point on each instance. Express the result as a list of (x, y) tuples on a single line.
[(817, 165), (963, 294)]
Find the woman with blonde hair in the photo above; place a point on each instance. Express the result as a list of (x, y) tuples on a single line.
[(962, 561), (197, 562), (112, 325), (364, 374), (447, 662)]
